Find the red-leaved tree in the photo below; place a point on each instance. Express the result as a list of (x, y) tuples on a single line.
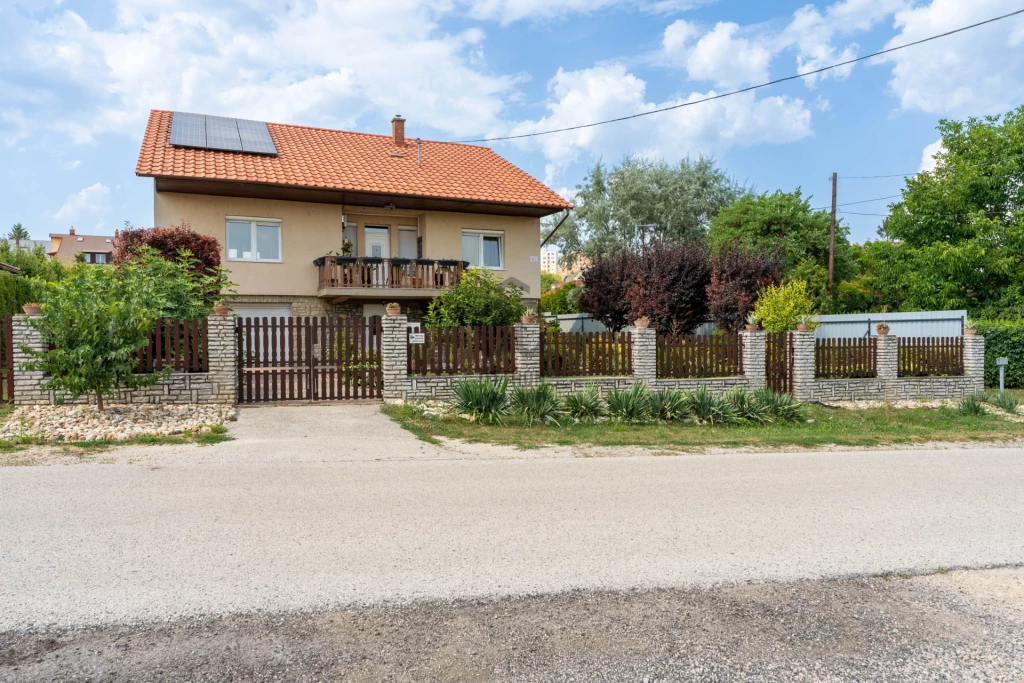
[(605, 285), (669, 286), (169, 241), (737, 275)]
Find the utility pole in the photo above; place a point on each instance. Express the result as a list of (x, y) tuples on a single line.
[(832, 238)]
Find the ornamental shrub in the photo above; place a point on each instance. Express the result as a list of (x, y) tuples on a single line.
[(1003, 338), (737, 276), (670, 286), (564, 299), (604, 289), (478, 299), (169, 242), (780, 308), (26, 287)]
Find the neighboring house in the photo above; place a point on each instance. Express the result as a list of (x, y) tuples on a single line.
[(282, 200), (97, 248)]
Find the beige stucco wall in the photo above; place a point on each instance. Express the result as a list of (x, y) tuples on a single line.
[(310, 230)]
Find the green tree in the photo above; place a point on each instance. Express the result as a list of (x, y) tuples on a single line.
[(547, 281), (17, 233), (35, 265), (680, 200), (565, 299), (956, 239), (784, 221), (780, 308), (95, 320), (478, 299), (180, 288)]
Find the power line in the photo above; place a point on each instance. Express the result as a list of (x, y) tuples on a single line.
[(862, 201), (752, 87), (904, 175)]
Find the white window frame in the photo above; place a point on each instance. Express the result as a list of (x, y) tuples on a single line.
[(500, 234), (253, 221)]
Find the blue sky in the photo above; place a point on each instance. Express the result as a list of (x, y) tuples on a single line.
[(77, 80)]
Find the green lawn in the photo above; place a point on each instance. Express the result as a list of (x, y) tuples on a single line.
[(217, 434), (827, 426)]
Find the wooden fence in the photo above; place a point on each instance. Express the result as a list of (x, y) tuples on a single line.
[(576, 354), (473, 350), (778, 361), (923, 356), (180, 345), (7, 359), (692, 355), (845, 358)]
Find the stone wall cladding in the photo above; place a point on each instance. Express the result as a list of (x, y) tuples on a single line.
[(754, 358), (645, 353), (214, 387)]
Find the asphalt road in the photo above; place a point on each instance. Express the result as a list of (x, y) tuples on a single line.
[(302, 518)]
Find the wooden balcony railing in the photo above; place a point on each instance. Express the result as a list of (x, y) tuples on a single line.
[(396, 273)]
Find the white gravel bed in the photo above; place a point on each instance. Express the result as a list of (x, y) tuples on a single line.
[(115, 423)]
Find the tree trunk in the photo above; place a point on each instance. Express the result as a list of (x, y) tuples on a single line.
[(99, 401)]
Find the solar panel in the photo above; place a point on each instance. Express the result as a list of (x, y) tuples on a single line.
[(219, 132), (188, 130), (255, 137), (222, 133)]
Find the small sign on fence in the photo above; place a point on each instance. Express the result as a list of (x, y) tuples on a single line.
[(417, 338)]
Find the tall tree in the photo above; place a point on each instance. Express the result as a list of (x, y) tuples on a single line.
[(17, 233), (784, 221), (956, 238), (737, 277), (678, 200)]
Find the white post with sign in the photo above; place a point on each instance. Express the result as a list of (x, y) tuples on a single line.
[(1002, 362)]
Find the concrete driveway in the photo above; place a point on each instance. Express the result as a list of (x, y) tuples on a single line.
[(330, 505)]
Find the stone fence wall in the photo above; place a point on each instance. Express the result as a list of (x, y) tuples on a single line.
[(216, 386)]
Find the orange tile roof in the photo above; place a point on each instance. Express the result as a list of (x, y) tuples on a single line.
[(340, 160)]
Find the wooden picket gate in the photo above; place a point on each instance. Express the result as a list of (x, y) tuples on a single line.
[(778, 362), (309, 359)]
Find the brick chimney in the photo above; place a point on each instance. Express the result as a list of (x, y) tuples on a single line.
[(398, 130), (71, 231)]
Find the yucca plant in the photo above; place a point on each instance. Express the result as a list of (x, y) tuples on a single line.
[(631, 405), (746, 407), (536, 405), (586, 406), (780, 407), (668, 405), (970, 406), (1006, 401), (706, 407), (485, 400)]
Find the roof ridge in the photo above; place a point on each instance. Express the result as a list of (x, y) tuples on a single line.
[(335, 130)]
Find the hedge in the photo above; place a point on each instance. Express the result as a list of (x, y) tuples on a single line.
[(1003, 338)]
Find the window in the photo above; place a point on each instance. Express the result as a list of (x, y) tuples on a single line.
[(483, 249), (254, 239)]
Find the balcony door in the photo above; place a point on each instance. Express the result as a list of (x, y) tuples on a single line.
[(378, 245)]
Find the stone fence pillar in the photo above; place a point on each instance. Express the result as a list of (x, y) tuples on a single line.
[(527, 354), (645, 354), (394, 358), (27, 389), (887, 359), (223, 360), (753, 358), (974, 360), (802, 378)]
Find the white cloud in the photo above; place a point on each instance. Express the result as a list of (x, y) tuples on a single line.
[(973, 73), (610, 91), (71, 165), (928, 155), (508, 11), (87, 206), (720, 55)]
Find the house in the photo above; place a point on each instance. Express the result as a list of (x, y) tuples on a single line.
[(286, 201), (65, 247)]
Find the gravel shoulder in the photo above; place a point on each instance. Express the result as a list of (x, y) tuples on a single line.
[(954, 626)]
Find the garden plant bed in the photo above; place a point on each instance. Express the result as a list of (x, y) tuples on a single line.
[(825, 426), (85, 423)]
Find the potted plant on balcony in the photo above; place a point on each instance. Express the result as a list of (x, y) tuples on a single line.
[(393, 308), (752, 322), (529, 316), (346, 247)]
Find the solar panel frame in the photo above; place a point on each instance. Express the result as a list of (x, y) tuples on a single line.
[(255, 137), (188, 130), (222, 133)]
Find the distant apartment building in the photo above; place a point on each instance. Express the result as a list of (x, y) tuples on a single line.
[(97, 248), (548, 260)]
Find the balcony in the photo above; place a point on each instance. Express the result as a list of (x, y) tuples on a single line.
[(346, 277)]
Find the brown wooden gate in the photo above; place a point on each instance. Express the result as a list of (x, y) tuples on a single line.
[(308, 359), (7, 359), (778, 362)]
